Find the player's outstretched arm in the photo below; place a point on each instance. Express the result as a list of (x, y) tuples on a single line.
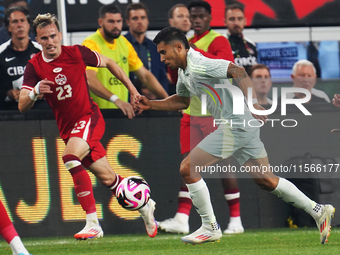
[(97, 88), (28, 97), (172, 103), (150, 81), (119, 73), (243, 81)]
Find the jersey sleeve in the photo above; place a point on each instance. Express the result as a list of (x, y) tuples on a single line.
[(134, 61), (90, 57), (215, 68), (181, 90), (92, 45), (30, 77)]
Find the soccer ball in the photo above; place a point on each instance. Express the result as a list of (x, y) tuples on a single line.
[(133, 193)]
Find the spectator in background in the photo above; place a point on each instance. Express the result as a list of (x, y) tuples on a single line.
[(4, 34), (136, 15), (262, 83), (244, 50), (304, 76), (14, 55), (108, 41), (9, 233), (178, 16), (195, 126)]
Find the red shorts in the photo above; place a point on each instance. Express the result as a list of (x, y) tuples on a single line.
[(193, 130), (91, 128)]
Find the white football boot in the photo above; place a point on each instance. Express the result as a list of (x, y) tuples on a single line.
[(234, 226), (206, 233), (324, 222), (90, 231), (174, 226), (148, 217)]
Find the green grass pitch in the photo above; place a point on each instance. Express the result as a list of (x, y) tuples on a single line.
[(269, 241)]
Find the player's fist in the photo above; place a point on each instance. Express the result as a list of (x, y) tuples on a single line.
[(43, 87), (336, 100), (142, 104)]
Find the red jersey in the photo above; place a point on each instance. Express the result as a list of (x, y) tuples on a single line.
[(70, 99), (219, 48)]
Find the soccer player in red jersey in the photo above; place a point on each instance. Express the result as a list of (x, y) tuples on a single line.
[(58, 72)]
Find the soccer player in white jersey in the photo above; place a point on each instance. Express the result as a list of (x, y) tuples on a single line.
[(196, 73)]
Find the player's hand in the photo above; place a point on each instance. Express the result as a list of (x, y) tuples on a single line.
[(259, 117), (126, 108), (44, 87), (13, 94), (142, 104), (336, 100), (134, 98)]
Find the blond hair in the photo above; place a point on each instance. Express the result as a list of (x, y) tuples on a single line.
[(43, 20)]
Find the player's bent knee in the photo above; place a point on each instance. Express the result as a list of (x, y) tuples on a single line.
[(184, 168), (72, 163)]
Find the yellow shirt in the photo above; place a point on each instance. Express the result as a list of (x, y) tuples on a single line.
[(123, 53), (194, 108)]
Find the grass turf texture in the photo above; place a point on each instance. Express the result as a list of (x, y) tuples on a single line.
[(271, 242)]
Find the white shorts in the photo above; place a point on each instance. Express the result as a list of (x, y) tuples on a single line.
[(226, 142)]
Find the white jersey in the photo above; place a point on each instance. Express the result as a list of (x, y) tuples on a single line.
[(200, 77)]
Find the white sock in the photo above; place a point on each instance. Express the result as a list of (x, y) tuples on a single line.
[(17, 246), (144, 210), (200, 197), (92, 218), (289, 193), (235, 220), (182, 218)]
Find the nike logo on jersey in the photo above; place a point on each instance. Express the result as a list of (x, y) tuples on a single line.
[(9, 59), (57, 70)]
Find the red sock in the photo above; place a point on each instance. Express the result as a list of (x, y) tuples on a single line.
[(184, 201), (115, 184), (7, 229), (82, 183), (233, 199)]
